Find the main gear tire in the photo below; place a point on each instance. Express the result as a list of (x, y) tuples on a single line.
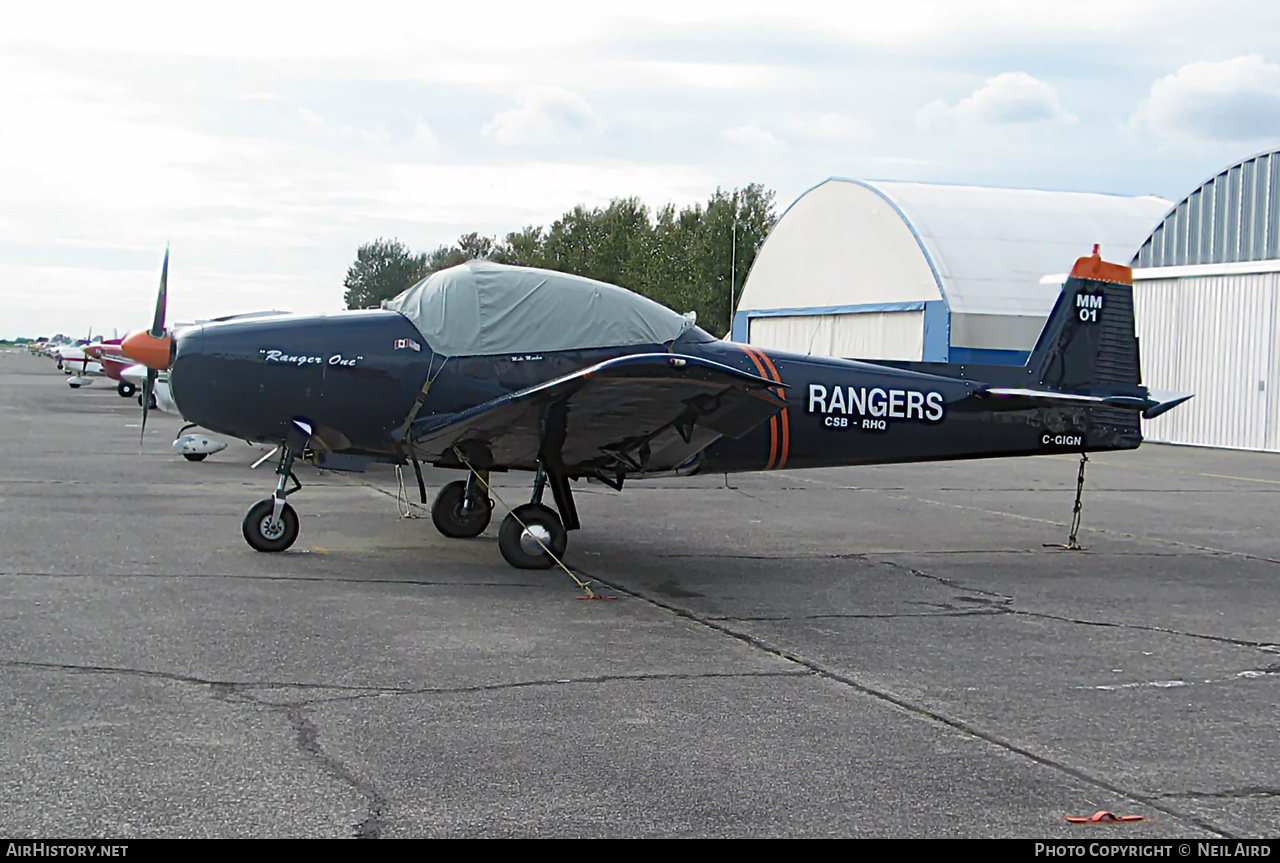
[(455, 522), (528, 532)]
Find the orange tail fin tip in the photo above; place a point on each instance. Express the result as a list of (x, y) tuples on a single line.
[(1098, 270)]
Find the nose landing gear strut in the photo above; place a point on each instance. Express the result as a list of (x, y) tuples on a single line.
[(271, 524)]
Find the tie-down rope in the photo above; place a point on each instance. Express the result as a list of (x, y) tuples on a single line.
[(489, 490)]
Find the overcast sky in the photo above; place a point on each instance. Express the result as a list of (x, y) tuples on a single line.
[(266, 141)]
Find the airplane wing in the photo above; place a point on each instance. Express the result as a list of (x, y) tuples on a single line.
[(1015, 399), (642, 413)]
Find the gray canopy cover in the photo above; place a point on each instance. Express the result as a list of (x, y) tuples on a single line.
[(481, 308)]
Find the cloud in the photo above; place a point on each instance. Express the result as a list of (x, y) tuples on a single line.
[(751, 136), (1233, 100), (545, 115), (312, 120), (839, 127), (315, 123), (1008, 99), (425, 139)]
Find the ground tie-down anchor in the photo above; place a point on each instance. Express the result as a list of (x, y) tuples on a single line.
[(1102, 816), (1072, 544)]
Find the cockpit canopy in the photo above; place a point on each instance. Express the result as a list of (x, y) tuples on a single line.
[(481, 308)]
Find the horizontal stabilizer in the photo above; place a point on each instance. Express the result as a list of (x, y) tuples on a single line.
[(1020, 398), (1163, 400)]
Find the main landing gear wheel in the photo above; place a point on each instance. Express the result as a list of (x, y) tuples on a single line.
[(453, 520), (259, 531), (195, 456), (151, 405), (519, 544), (126, 389)]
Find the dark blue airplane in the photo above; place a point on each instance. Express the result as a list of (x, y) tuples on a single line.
[(485, 367)]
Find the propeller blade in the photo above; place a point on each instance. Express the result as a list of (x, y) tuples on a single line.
[(157, 324), (148, 387), (152, 347)]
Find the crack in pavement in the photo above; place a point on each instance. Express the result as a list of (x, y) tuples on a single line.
[(916, 708), (951, 583), (1262, 791), (227, 689), (231, 576), (1220, 639), (749, 496), (1098, 530), (221, 685), (1006, 607), (882, 552), (307, 734), (1021, 517), (308, 737), (854, 616)]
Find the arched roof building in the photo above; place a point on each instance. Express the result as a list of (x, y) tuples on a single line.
[(895, 270), (1233, 216), (1206, 295)]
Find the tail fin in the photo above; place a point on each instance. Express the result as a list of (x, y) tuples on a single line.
[(1087, 354), (1089, 341), (1086, 357)]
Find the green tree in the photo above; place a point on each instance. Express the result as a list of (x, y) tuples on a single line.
[(701, 256), (381, 270), (605, 244), (695, 259), (734, 227), (521, 248), (469, 247)]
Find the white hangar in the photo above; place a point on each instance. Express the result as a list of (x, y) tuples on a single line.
[(916, 271), (1206, 295)]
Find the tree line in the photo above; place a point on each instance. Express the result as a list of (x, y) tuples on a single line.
[(694, 259)]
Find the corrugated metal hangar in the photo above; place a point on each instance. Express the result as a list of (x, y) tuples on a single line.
[(1206, 295), (915, 271)]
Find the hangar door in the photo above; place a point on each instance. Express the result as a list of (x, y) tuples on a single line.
[(1217, 337), (865, 335)]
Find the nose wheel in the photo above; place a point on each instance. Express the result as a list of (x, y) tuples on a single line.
[(266, 532), (271, 524)]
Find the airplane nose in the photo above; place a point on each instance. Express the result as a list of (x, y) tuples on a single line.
[(251, 377), (154, 353)]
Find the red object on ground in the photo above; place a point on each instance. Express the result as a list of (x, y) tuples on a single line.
[(1102, 816)]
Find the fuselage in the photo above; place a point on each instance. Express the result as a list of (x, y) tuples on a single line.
[(356, 376)]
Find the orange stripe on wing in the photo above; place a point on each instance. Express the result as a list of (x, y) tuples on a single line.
[(773, 420), (786, 419)]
